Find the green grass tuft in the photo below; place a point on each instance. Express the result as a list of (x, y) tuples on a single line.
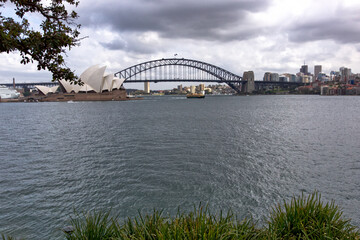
[(309, 218), (301, 218), (91, 226), (198, 224)]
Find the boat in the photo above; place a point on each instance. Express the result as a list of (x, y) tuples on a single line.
[(7, 93), (195, 95)]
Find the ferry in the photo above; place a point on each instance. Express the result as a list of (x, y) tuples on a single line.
[(7, 93), (195, 95)]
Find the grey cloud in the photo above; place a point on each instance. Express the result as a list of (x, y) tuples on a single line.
[(115, 45), (342, 27), (131, 45), (209, 20)]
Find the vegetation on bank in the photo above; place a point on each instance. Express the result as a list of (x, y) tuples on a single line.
[(301, 218)]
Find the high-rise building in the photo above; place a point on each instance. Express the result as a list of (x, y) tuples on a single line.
[(267, 76), (317, 70), (202, 87), (304, 69), (192, 89), (180, 88), (147, 87), (274, 77), (291, 77), (345, 74)]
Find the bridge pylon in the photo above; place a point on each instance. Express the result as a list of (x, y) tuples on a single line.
[(249, 86), (147, 87)]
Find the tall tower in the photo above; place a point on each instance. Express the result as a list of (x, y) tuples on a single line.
[(304, 69), (317, 70), (147, 87)]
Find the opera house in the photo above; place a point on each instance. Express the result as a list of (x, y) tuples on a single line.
[(97, 86)]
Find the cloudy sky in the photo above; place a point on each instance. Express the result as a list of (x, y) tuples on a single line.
[(238, 35)]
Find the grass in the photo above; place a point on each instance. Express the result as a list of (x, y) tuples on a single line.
[(198, 224), (309, 218), (301, 218)]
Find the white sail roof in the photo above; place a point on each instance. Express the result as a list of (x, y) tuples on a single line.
[(117, 82), (46, 90), (66, 84), (93, 76), (94, 80), (107, 82), (86, 88), (54, 88)]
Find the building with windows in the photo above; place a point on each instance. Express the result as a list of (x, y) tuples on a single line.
[(345, 74), (317, 70), (304, 69)]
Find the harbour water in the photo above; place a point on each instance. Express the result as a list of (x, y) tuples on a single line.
[(242, 153)]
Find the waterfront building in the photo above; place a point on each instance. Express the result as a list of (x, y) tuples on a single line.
[(7, 93), (192, 89), (267, 77), (317, 70), (322, 77), (291, 77), (305, 79), (208, 90), (345, 74), (271, 77), (324, 90), (274, 77), (180, 88), (334, 76), (95, 81), (202, 87), (283, 78), (97, 86)]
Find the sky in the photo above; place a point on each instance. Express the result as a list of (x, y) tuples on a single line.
[(237, 35)]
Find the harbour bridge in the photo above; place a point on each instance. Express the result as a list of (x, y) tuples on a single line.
[(189, 70), (183, 70)]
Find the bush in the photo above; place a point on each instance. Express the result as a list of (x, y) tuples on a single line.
[(302, 218), (309, 218), (198, 224)]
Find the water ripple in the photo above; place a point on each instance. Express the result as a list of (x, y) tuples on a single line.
[(243, 153)]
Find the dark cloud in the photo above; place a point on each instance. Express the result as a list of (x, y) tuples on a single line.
[(115, 45), (202, 19), (342, 27), (132, 46)]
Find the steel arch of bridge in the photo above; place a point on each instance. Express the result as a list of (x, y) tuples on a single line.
[(222, 75)]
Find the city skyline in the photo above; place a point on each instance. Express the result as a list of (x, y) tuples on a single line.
[(262, 36)]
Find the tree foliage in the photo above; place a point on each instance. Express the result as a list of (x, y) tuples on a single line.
[(46, 44)]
